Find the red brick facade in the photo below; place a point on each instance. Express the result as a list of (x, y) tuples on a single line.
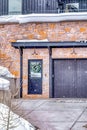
[(62, 31)]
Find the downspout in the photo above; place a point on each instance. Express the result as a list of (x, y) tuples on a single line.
[(50, 73), (21, 70)]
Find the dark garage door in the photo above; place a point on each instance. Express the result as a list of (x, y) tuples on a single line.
[(70, 78)]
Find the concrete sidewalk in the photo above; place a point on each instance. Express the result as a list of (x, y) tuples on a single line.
[(54, 114)]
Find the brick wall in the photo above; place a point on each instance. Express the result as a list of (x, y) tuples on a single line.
[(62, 31)]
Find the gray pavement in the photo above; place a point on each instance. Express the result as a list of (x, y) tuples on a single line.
[(53, 114)]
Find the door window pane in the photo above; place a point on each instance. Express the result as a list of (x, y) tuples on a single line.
[(35, 69), (15, 7)]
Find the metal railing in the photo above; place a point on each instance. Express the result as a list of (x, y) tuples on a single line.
[(55, 6), (42, 6)]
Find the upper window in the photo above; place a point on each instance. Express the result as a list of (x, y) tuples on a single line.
[(15, 7), (72, 7)]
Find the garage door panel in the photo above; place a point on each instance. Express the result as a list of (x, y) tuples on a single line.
[(81, 78), (64, 78), (70, 78)]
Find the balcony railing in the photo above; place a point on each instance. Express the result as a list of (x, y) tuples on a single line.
[(41, 6)]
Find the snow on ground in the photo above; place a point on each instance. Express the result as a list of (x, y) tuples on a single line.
[(5, 72), (7, 117), (43, 17), (15, 121), (4, 84)]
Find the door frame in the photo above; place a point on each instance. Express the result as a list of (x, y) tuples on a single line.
[(53, 69), (29, 60)]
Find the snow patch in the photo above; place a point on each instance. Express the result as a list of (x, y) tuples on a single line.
[(15, 121), (33, 40), (5, 72), (43, 17), (4, 84)]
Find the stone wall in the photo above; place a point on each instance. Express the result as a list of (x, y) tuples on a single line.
[(62, 31)]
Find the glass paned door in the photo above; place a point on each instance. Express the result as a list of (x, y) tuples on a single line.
[(35, 77)]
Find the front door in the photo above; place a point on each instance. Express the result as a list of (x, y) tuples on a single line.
[(34, 76)]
